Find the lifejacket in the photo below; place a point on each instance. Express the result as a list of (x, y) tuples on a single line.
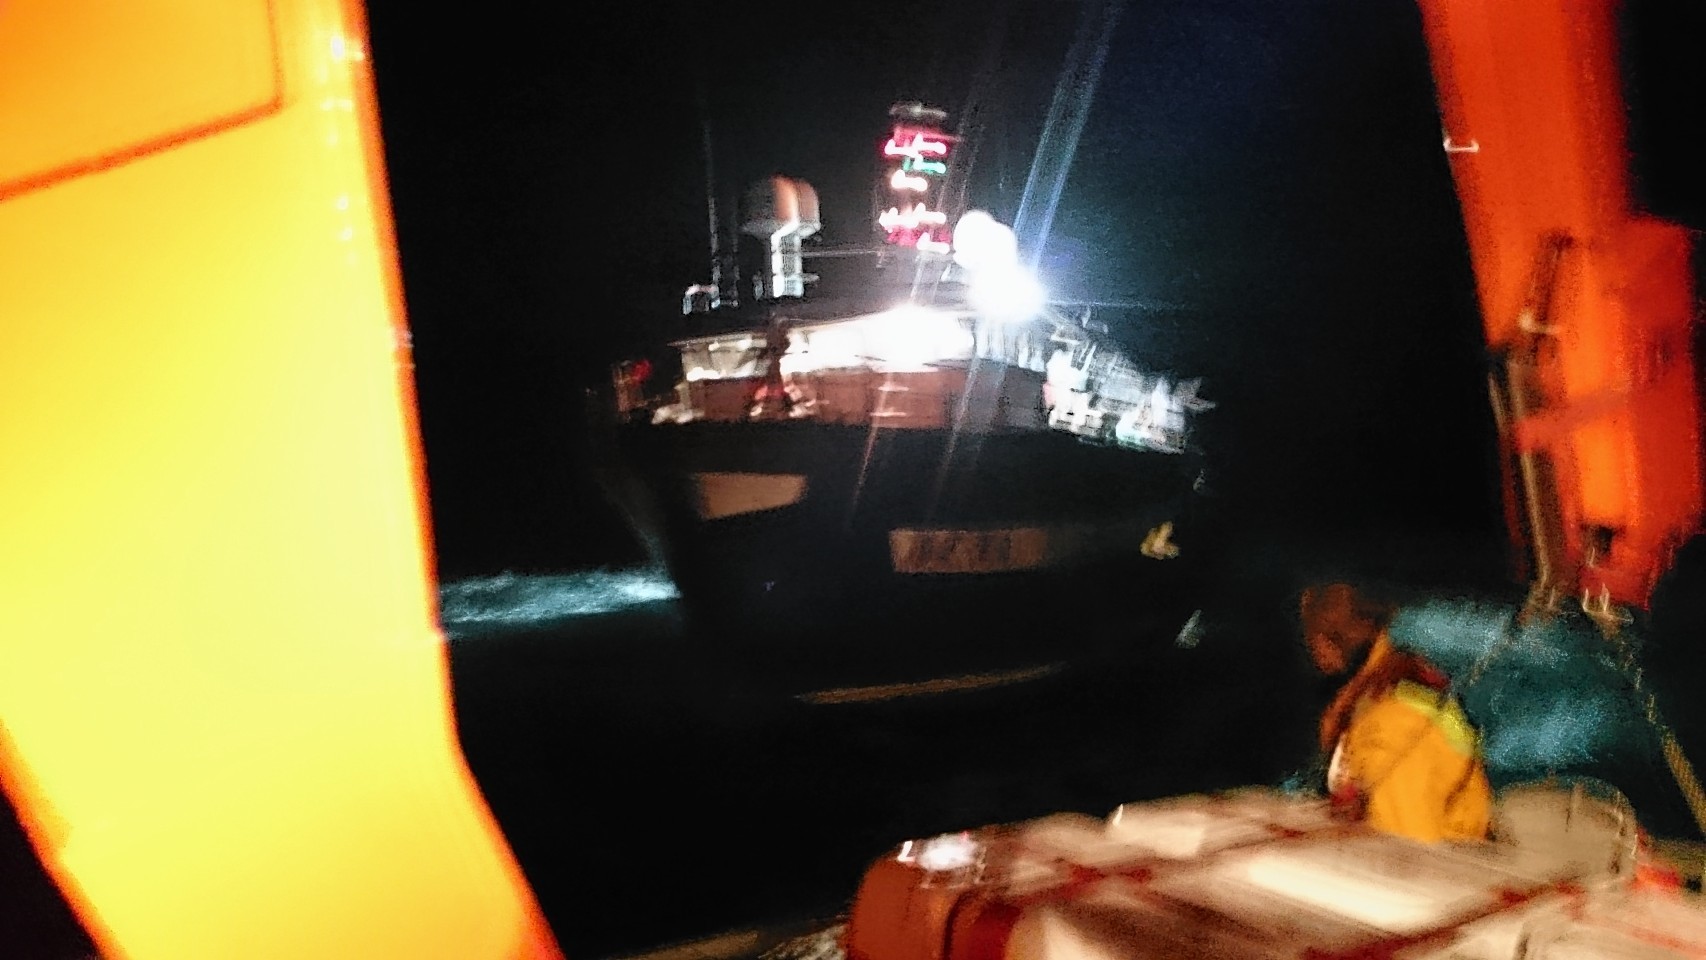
[(1408, 760)]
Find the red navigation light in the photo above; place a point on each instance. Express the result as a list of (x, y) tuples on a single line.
[(919, 145)]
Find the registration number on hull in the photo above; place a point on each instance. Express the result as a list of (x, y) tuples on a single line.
[(969, 551)]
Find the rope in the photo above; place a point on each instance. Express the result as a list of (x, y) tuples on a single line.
[(1683, 772), (1681, 769)]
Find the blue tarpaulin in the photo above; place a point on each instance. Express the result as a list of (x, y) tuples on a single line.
[(1553, 697)]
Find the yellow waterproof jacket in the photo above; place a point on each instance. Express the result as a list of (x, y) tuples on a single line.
[(1413, 761)]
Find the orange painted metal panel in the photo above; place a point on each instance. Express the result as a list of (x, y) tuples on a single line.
[(223, 688), (1531, 100)]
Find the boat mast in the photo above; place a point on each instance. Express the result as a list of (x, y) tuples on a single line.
[(711, 203), (720, 294)]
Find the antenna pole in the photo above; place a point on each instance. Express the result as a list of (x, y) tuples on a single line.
[(715, 231)]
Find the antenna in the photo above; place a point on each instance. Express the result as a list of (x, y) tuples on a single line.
[(700, 298)]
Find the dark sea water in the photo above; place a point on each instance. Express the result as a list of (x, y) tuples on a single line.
[(661, 783)]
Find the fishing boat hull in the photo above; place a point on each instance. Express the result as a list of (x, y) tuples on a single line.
[(759, 515)]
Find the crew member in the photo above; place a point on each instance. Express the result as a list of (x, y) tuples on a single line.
[(1404, 756)]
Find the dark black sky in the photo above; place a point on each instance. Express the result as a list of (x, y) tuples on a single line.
[(1272, 169)]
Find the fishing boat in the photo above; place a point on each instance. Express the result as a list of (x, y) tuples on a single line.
[(930, 422)]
